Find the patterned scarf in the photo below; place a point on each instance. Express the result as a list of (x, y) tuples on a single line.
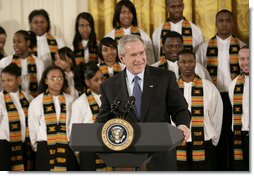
[(52, 46), (212, 55), (79, 54), (104, 69), (56, 132), (197, 123), (186, 33), (32, 71), (237, 115), (119, 32), (19, 160), (100, 164), (163, 62)]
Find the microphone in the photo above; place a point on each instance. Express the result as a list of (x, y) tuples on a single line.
[(114, 107), (129, 106)]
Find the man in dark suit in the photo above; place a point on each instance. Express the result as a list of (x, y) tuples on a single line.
[(161, 99)]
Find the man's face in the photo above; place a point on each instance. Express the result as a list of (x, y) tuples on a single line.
[(244, 60), (134, 57), (186, 64), (175, 10), (224, 24), (171, 48)]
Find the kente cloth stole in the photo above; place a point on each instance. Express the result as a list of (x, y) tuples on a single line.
[(56, 132), (32, 71), (100, 164), (197, 123), (237, 116), (104, 69), (119, 32), (186, 33), (79, 54), (163, 62), (20, 161), (52, 46), (212, 58)]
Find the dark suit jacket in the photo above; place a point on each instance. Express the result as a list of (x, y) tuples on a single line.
[(161, 99)]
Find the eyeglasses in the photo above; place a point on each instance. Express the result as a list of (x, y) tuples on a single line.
[(56, 78)]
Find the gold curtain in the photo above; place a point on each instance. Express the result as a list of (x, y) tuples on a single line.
[(151, 13)]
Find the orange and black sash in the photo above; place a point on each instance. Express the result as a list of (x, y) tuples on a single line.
[(104, 69), (52, 46), (237, 117), (212, 58), (197, 123), (56, 132), (119, 32), (79, 54), (32, 71), (21, 155)]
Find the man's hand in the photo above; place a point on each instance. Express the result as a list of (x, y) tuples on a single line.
[(185, 130)]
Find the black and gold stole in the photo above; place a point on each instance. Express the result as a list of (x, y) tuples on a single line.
[(52, 46), (20, 160), (186, 33), (56, 132), (79, 54), (237, 117), (197, 123), (163, 62), (100, 164), (104, 69), (32, 71), (119, 32), (212, 58)]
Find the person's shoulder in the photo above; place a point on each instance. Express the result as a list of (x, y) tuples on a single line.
[(112, 80), (80, 100), (37, 100), (6, 60), (158, 71)]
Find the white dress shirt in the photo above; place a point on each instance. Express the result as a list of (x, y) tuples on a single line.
[(246, 99), (147, 41), (4, 120), (223, 73), (130, 82), (24, 71), (199, 69), (213, 110), (36, 118), (43, 48), (197, 36), (81, 111)]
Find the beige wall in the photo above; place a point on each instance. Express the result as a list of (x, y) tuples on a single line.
[(14, 16)]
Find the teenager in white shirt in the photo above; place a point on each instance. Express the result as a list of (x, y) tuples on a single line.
[(31, 66), (15, 149), (85, 41), (65, 59), (47, 44), (125, 22), (191, 33), (48, 118)]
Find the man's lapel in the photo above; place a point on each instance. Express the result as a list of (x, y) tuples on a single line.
[(149, 87)]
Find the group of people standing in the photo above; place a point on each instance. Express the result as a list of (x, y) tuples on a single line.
[(202, 87)]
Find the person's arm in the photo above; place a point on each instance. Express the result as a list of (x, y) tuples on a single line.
[(178, 107)]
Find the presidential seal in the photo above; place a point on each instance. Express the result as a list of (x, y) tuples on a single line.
[(117, 134)]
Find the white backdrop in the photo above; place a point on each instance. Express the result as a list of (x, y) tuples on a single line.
[(14, 16)]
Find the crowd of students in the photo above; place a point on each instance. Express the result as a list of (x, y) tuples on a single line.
[(47, 86)]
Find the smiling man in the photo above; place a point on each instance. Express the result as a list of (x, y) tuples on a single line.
[(158, 97)]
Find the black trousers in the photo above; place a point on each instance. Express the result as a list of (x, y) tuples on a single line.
[(42, 158), (207, 165), (224, 147), (5, 155)]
